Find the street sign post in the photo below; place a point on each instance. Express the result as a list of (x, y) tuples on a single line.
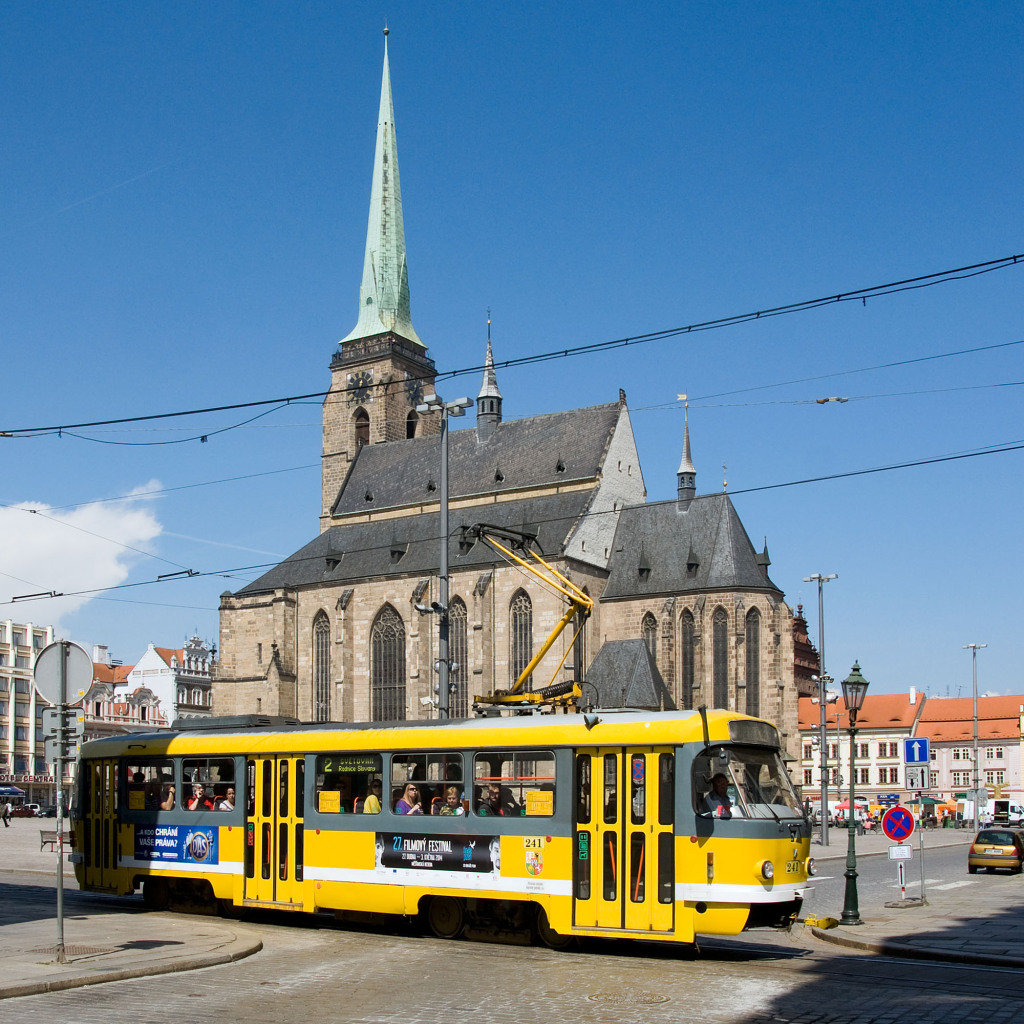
[(917, 777), (61, 669), (915, 750)]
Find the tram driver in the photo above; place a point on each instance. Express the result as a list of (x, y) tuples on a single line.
[(717, 802)]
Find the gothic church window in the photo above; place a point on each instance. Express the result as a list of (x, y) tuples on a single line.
[(720, 659), (689, 642), (362, 422), (321, 668), (753, 651), (458, 651), (521, 635), (649, 631), (410, 424), (387, 666)]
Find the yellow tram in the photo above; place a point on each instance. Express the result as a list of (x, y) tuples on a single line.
[(611, 823)]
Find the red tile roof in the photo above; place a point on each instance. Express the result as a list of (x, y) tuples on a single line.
[(112, 674), (168, 652), (880, 711), (951, 719)]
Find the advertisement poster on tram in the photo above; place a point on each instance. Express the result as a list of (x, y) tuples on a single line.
[(438, 852), (176, 844)]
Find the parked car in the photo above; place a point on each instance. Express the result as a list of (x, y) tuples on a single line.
[(25, 811), (996, 848)]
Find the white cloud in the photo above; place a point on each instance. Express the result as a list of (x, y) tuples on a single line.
[(68, 550)]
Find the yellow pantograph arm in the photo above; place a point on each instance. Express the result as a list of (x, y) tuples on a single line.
[(580, 604)]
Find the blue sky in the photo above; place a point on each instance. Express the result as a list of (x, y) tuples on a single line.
[(183, 196)]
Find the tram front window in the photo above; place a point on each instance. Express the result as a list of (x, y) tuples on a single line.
[(743, 782)]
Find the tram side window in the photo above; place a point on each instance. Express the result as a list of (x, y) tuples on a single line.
[(439, 781), (514, 783), (209, 783), (348, 782), (150, 784)]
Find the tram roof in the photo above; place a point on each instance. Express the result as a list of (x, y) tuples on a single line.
[(606, 726)]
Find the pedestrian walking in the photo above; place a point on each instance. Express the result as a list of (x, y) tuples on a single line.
[(7, 814)]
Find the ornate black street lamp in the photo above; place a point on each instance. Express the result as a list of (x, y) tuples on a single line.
[(855, 688)]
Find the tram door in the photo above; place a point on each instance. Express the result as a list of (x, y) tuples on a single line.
[(624, 864), (274, 809), (99, 822)]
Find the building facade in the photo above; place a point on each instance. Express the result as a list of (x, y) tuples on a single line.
[(335, 632), (22, 754), (887, 720)]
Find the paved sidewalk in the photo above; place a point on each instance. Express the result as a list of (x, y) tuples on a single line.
[(102, 944), (973, 923)]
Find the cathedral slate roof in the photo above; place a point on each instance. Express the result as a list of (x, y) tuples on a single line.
[(624, 675), (661, 549), (410, 545), (538, 451)]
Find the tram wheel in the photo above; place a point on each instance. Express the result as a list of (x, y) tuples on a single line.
[(548, 935), (446, 917), (156, 893)]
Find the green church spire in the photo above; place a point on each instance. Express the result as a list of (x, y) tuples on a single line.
[(384, 292)]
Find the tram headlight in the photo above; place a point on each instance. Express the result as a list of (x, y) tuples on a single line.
[(767, 870), (812, 868)]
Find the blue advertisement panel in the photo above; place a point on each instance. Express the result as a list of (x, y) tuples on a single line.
[(180, 844)]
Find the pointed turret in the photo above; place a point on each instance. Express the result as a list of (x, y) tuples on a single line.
[(488, 401), (686, 475), (384, 292)]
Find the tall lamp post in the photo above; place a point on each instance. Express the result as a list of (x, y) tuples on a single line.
[(974, 648), (855, 688), (822, 700), (431, 403)]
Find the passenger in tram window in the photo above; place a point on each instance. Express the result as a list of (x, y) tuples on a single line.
[(452, 801), (199, 801), (167, 803), (371, 805), (717, 802), (409, 801), (491, 805), (227, 801)]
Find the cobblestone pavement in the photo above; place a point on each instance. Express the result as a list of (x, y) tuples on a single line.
[(296, 968), (366, 978)]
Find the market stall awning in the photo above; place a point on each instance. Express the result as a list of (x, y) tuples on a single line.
[(926, 801)]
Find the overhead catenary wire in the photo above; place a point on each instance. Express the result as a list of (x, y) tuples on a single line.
[(237, 571), (875, 291)]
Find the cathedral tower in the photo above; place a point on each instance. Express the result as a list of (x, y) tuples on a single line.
[(381, 369)]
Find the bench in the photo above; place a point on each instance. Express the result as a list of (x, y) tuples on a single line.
[(48, 837)]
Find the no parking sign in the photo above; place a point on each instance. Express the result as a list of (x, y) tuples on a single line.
[(898, 823)]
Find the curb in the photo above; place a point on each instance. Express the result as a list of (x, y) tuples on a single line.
[(906, 951), (237, 949)]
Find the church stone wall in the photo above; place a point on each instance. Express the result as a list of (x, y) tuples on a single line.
[(621, 620)]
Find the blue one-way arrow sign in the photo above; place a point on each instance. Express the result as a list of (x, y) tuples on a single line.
[(915, 751)]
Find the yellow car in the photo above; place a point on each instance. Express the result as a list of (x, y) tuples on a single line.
[(996, 848)]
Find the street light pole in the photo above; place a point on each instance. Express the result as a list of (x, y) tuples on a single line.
[(822, 700), (431, 403), (855, 688), (974, 648)]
